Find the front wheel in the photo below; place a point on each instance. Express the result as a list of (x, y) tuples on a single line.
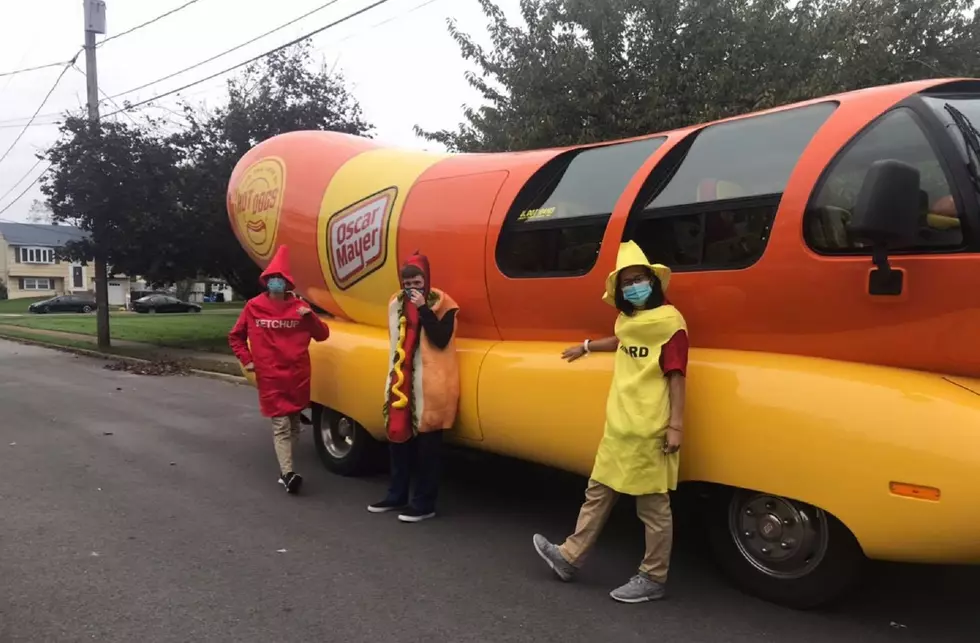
[(782, 550), (344, 446)]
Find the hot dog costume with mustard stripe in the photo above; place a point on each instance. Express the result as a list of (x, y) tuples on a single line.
[(422, 387)]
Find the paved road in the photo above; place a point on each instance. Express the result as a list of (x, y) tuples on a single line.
[(145, 509)]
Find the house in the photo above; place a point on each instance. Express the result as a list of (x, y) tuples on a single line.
[(29, 264)]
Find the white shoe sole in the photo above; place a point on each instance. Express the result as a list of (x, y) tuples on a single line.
[(382, 510), (634, 601), (411, 519), (551, 563)]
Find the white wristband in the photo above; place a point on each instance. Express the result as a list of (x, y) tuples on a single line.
[(585, 346)]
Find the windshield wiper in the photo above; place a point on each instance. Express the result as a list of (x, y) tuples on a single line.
[(971, 138)]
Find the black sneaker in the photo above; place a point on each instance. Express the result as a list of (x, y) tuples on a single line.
[(385, 506), (414, 515), (291, 482)]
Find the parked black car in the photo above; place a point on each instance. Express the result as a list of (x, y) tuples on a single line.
[(163, 304), (65, 304)]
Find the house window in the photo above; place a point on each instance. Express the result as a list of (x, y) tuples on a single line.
[(711, 202), (37, 255), (557, 222), (36, 283)]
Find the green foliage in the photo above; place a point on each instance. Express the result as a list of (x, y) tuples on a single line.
[(3, 290), (581, 71), (119, 182)]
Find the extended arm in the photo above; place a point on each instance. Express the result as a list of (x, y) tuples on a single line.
[(604, 345)]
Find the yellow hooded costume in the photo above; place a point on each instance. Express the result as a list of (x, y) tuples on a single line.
[(630, 458)]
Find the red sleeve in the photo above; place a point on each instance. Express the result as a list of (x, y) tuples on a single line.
[(319, 331), (673, 355), (238, 338)]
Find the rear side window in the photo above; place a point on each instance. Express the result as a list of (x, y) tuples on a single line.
[(558, 220), (743, 158), (710, 204)]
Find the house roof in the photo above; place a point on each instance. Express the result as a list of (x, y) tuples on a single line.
[(37, 234)]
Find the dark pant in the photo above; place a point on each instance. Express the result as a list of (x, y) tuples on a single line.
[(421, 456)]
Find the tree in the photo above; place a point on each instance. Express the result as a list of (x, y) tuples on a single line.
[(581, 71), (120, 183), (39, 212), (282, 93)]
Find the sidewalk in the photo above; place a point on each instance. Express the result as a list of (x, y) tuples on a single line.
[(203, 360)]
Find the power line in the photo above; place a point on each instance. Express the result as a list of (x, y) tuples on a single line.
[(199, 64), (148, 22), (39, 107), (259, 57), (21, 195), (107, 97), (38, 67), (228, 51), (14, 186), (110, 38)]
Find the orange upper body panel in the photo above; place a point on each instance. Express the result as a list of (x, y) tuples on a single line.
[(352, 211)]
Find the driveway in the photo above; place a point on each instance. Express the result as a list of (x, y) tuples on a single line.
[(146, 509)]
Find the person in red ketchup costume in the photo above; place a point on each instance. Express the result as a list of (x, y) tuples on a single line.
[(271, 338)]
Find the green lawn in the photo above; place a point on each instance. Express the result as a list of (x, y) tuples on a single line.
[(10, 306), (17, 305), (196, 332)]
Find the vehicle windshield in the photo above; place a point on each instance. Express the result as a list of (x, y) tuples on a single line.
[(961, 115)]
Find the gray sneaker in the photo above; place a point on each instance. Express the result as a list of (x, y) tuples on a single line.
[(553, 557), (639, 590)]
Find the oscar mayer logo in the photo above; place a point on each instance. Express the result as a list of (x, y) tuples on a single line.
[(357, 238)]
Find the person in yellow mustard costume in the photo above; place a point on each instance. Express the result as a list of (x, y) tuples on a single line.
[(638, 454)]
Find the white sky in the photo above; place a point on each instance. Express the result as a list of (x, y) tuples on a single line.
[(404, 72)]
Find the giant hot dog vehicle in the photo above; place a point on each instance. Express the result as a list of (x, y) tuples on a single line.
[(825, 255)]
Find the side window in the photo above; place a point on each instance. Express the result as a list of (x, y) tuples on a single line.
[(896, 135), (556, 224), (710, 204)]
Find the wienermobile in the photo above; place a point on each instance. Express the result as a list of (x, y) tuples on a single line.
[(825, 255)]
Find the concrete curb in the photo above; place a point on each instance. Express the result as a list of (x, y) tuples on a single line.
[(224, 377)]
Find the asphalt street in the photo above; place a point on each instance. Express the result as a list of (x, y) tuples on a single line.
[(140, 508)]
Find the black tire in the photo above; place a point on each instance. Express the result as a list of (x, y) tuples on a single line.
[(359, 456), (86, 309), (813, 576), (152, 311)]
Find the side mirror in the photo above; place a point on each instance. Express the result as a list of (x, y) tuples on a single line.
[(887, 214), (887, 209)]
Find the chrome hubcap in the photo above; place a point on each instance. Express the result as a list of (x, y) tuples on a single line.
[(779, 537), (338, 436)]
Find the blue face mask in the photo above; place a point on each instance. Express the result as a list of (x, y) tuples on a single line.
[(637, 294), (276, 285)]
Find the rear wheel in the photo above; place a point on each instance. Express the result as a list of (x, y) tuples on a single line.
[(344, 446), (782, 550), (86, 309)]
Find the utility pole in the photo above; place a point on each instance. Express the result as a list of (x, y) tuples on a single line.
[(95, 24)]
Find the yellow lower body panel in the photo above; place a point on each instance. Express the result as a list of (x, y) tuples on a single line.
[(833, 434)]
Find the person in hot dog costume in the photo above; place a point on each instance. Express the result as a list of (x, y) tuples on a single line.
[(638, 454), (271, 338), (421, 391)]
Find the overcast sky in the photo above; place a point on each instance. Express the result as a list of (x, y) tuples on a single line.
[(399, 59)]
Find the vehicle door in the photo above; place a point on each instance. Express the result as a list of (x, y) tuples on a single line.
[(940, 269)]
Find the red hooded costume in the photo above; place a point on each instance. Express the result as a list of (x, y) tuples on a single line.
[(271, 334)]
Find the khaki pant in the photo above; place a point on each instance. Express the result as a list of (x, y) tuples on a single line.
[(285, 435), (653, 510)]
